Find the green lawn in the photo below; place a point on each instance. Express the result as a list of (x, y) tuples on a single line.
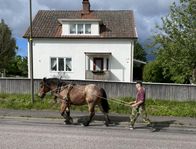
[(153, 107)]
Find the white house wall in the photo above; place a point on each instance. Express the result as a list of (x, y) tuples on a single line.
[(120, 60)]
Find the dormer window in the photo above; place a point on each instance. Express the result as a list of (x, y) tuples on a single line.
[(72, 28), (87, 28), (80, 29)]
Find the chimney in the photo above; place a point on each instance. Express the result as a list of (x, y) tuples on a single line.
[(86, 7)]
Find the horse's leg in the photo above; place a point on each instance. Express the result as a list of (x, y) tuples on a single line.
[(69, 119), (65, 108), (55, 99), (107, 120), (91, 108)]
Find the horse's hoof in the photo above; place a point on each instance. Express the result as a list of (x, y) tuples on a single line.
[(85, 124), (110, 122), (106, 124), (71, 120), (62, 114), (67, 123), (82, 125)]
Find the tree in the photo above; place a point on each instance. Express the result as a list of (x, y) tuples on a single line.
[(153, 73), (176, 41), (139, 52), (22, 65), (18, 67), (7, 46)]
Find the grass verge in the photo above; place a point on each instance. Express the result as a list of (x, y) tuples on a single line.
[(153, 107)]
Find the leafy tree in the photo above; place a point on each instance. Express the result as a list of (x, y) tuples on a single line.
[(176, 41), (153, 73), (18, 67), (139, 52), (22, 65), (7, 46)]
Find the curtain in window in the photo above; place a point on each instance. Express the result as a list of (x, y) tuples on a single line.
[(53, 64), (68, 64), (73, 29), (61, 64)]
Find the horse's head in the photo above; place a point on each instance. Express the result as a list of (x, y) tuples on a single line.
[(44, 88)]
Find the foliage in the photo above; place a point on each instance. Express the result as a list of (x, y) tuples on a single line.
[(154, 107), (18, 67), (22, 65), (171, 108), (158, 107), (153, 73), (139, 52), (7, 46), (23, 101), (176, 41)]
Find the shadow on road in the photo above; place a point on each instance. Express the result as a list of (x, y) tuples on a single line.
[(159, 125), (115, 120), (156, 126)]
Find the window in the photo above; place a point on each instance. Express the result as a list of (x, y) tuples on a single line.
[(107, 64), (98, 64), (68, 64), (80, 29), (72, 28), (61, 64), (53, 64), (87, 28)]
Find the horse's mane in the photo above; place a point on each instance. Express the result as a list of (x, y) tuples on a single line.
[(55, 81)]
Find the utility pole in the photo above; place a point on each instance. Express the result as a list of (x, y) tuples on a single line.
[(31, 53)]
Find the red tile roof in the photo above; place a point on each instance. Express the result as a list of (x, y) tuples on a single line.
[(116, 24)]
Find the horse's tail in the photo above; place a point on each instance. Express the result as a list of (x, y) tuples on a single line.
[(104, 101)]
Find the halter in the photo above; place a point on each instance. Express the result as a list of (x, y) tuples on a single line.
[(57, 89), (60, 87)]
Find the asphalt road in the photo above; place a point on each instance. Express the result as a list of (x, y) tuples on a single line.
[(38, 133)]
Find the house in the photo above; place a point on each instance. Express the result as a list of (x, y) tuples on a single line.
[(84, 45)]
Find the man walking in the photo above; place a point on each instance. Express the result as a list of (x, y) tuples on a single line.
[(138, 106)]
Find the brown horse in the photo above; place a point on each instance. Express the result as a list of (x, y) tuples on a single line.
[(70, 94)]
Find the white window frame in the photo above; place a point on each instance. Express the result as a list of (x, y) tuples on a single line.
[(84, 29), (57, 64), (54, 63), (75, 32), (91, 65), (80, 32)]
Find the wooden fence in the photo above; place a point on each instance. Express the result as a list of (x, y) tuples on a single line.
[(178, 92)]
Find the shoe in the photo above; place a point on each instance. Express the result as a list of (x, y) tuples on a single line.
[(149, 124), (131, 127)]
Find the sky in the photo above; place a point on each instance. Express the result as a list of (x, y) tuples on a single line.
[(147, 14)]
